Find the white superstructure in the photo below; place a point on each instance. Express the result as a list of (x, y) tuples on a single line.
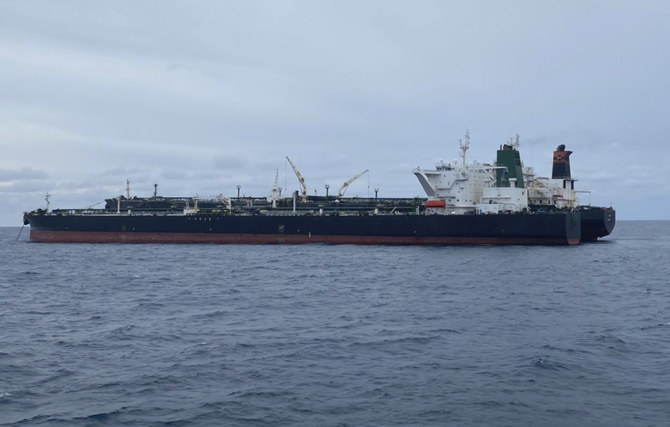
[(459, 188), (542, 191)]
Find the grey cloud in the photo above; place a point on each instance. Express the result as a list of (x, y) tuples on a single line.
[(205, 96), (25, 173)]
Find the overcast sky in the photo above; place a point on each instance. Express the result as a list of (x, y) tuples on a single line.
[(200, 96)]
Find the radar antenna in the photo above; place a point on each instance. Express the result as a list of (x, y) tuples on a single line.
[(514, 142), (464, 146)]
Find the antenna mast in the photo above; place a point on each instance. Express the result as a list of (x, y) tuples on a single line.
[(514, 142), (464, 146), (127, 189)]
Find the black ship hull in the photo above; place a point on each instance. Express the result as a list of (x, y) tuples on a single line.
[(596, 222), (463, 213), (546, 228)]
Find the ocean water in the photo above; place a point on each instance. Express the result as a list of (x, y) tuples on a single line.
[(325, 335)]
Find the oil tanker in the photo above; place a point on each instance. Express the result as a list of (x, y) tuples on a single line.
[(466, 203)]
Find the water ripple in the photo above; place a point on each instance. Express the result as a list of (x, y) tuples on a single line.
[(161, 335)]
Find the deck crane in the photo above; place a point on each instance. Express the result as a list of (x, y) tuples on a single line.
[(349, 181), (276, 191), (300, 179)]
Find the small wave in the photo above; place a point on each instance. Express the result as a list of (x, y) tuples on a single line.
[(120, 333), (157, 381), (552, 348), (446, 330), (38, 312), (151, 305), (245, 345), (405, 340), (612, 342), (258, 393), (610, 339), (656, 326), (489, 403), (210, 315), (102, 416), (548, 363), (60, 373)]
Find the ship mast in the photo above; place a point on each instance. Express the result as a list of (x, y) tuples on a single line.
[(464, 146), (276, 190), (514, 142)]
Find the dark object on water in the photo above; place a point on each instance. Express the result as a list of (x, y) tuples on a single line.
[(557, 228), (492, 204), (596, 222)]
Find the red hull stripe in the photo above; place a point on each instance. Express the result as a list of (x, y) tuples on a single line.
[(110, 237)]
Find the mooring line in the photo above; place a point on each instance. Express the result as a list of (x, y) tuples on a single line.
[(20, 231)]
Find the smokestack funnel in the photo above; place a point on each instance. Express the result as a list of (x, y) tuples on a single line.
[(561, 169)]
